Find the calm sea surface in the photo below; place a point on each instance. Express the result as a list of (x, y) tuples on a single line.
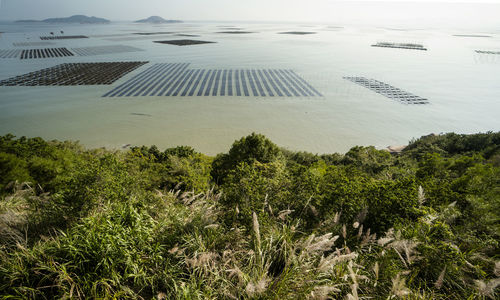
[(462, 86)]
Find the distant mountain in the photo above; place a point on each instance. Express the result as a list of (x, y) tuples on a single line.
[(157, 20), (79, 19)]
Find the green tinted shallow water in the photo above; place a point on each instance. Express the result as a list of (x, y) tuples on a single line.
[(462, 87)]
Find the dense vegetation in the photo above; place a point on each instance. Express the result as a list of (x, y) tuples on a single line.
[(258, 222)]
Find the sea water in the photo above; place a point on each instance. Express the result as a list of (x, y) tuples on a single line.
[(462, 86)]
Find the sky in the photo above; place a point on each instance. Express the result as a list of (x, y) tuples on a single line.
[(486, 12)]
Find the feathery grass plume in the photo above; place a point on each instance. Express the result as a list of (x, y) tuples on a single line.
[(355, 225), (439, 282), (236, 272), (487, 289), (376, 270), (313, 210), (327, 263), (256, 288), (368, 238), (212, 226), (204, 259), (282, 214), (256, 230), (354, 292), (389, 237), (321, 243), (344, 232), (399, 288), (360, 231), (421, 195), (496, 270), (161, 296), (336, 219), (323, 292)]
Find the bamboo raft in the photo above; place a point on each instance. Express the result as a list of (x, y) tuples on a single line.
[(75, 74), (388, 90), (176, 79)]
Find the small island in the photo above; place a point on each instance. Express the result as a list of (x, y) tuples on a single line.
[(157, 20), (76, 19)]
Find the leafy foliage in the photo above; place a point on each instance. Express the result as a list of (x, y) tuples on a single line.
[(258, 222)]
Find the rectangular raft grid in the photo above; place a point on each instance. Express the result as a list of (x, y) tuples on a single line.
[(11, 53), (75, 74), (409, 46), (100, 50), (63, 37), (45, 53), (32, 44), (388, 90), (175, 79)]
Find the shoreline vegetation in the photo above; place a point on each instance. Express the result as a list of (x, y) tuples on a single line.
[(257, 222)]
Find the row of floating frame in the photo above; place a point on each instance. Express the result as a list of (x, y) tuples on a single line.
[(177, 79), (64, 52)]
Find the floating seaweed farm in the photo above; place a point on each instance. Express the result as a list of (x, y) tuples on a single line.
[(75, 74), (488, 52), (32, 44), (10, 53), (100, 50), (63, 37), (45, 53), (400, 46), (176, 79), (297, 32), (388, 90), (184, 42)]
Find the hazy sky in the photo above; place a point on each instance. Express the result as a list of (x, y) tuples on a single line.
[(331, 11)]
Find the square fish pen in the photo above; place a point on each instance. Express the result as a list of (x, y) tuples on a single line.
[(388, 91), (101, 50), (176, 79), (10, 53), (63, 37), (45, 53), (75, 74), (184, 42)]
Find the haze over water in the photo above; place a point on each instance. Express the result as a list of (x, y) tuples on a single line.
[(461, 85)]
